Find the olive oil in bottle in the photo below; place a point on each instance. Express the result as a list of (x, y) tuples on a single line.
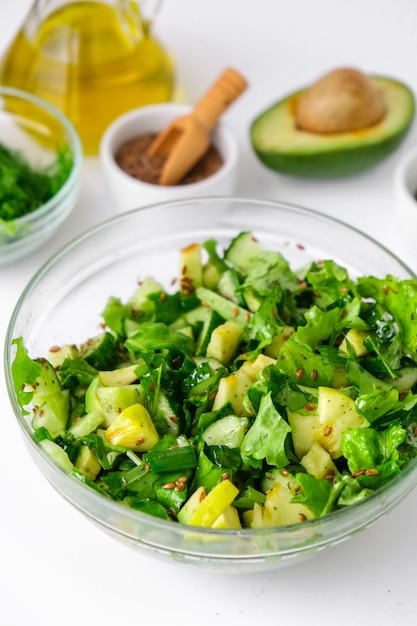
[(92, 60)]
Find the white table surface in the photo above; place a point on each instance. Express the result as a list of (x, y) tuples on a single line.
[(56, 568)]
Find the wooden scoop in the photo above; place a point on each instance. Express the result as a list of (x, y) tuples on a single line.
[(187, 139)]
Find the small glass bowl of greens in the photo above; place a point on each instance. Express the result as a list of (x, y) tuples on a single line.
[(220, 380), (40, 163)]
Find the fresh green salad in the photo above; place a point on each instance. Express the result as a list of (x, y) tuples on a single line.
[(247, 394)]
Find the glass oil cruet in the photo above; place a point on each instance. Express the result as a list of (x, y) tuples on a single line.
[(94, 60)]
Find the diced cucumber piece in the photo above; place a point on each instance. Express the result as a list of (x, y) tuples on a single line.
[(227, 286), (406, 378), (278, 341), (101, 351), (254, 368), (335, 412), (139, 301), (114, 400), (232, 390), (58, 354), (211, 276), (119, 376), (224, 342), (166, 412), (278, 509), (131, 327), (251, 299), (47, 383), (228, 519), (215, 364), (212, 321), (180, 323), (187, 331), (53, 413), (211, 382), (318, 462), (86, 424), (196, 316), (191, 268), (242, 250), (224, 307), (91, 399), (228, 431), (87, 463), (355, 338), (304, 427), (57, 453)]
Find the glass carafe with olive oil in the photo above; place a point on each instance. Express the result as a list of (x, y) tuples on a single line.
[(94, 60)]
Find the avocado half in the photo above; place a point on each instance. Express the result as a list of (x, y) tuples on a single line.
[(283, 147)]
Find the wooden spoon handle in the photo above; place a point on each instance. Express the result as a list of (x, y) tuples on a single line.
[(219, 97)]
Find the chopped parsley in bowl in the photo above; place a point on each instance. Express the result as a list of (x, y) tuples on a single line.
[(40, 162)]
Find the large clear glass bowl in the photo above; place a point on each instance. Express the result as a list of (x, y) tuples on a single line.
[(37, 131), (62, 304)]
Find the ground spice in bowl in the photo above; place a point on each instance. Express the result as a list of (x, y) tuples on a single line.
[(133, 159)]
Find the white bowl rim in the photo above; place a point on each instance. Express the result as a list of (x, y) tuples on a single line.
[(117, 125)]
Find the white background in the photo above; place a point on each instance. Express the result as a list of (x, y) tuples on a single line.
[(58, 569)]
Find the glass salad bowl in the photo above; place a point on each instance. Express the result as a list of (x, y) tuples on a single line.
[(40, 167), (63, 303)]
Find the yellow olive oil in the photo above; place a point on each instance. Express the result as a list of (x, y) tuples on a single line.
[(91, 60)]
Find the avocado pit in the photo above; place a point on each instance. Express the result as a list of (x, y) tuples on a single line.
[(343, 100)]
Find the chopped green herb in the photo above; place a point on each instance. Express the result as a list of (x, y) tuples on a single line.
[(23, 188)]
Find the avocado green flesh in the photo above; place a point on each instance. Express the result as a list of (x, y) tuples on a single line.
[(281, 146)]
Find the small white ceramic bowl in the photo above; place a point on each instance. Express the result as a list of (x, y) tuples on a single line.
[(405, 182), (405, 197), (130, 193)]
